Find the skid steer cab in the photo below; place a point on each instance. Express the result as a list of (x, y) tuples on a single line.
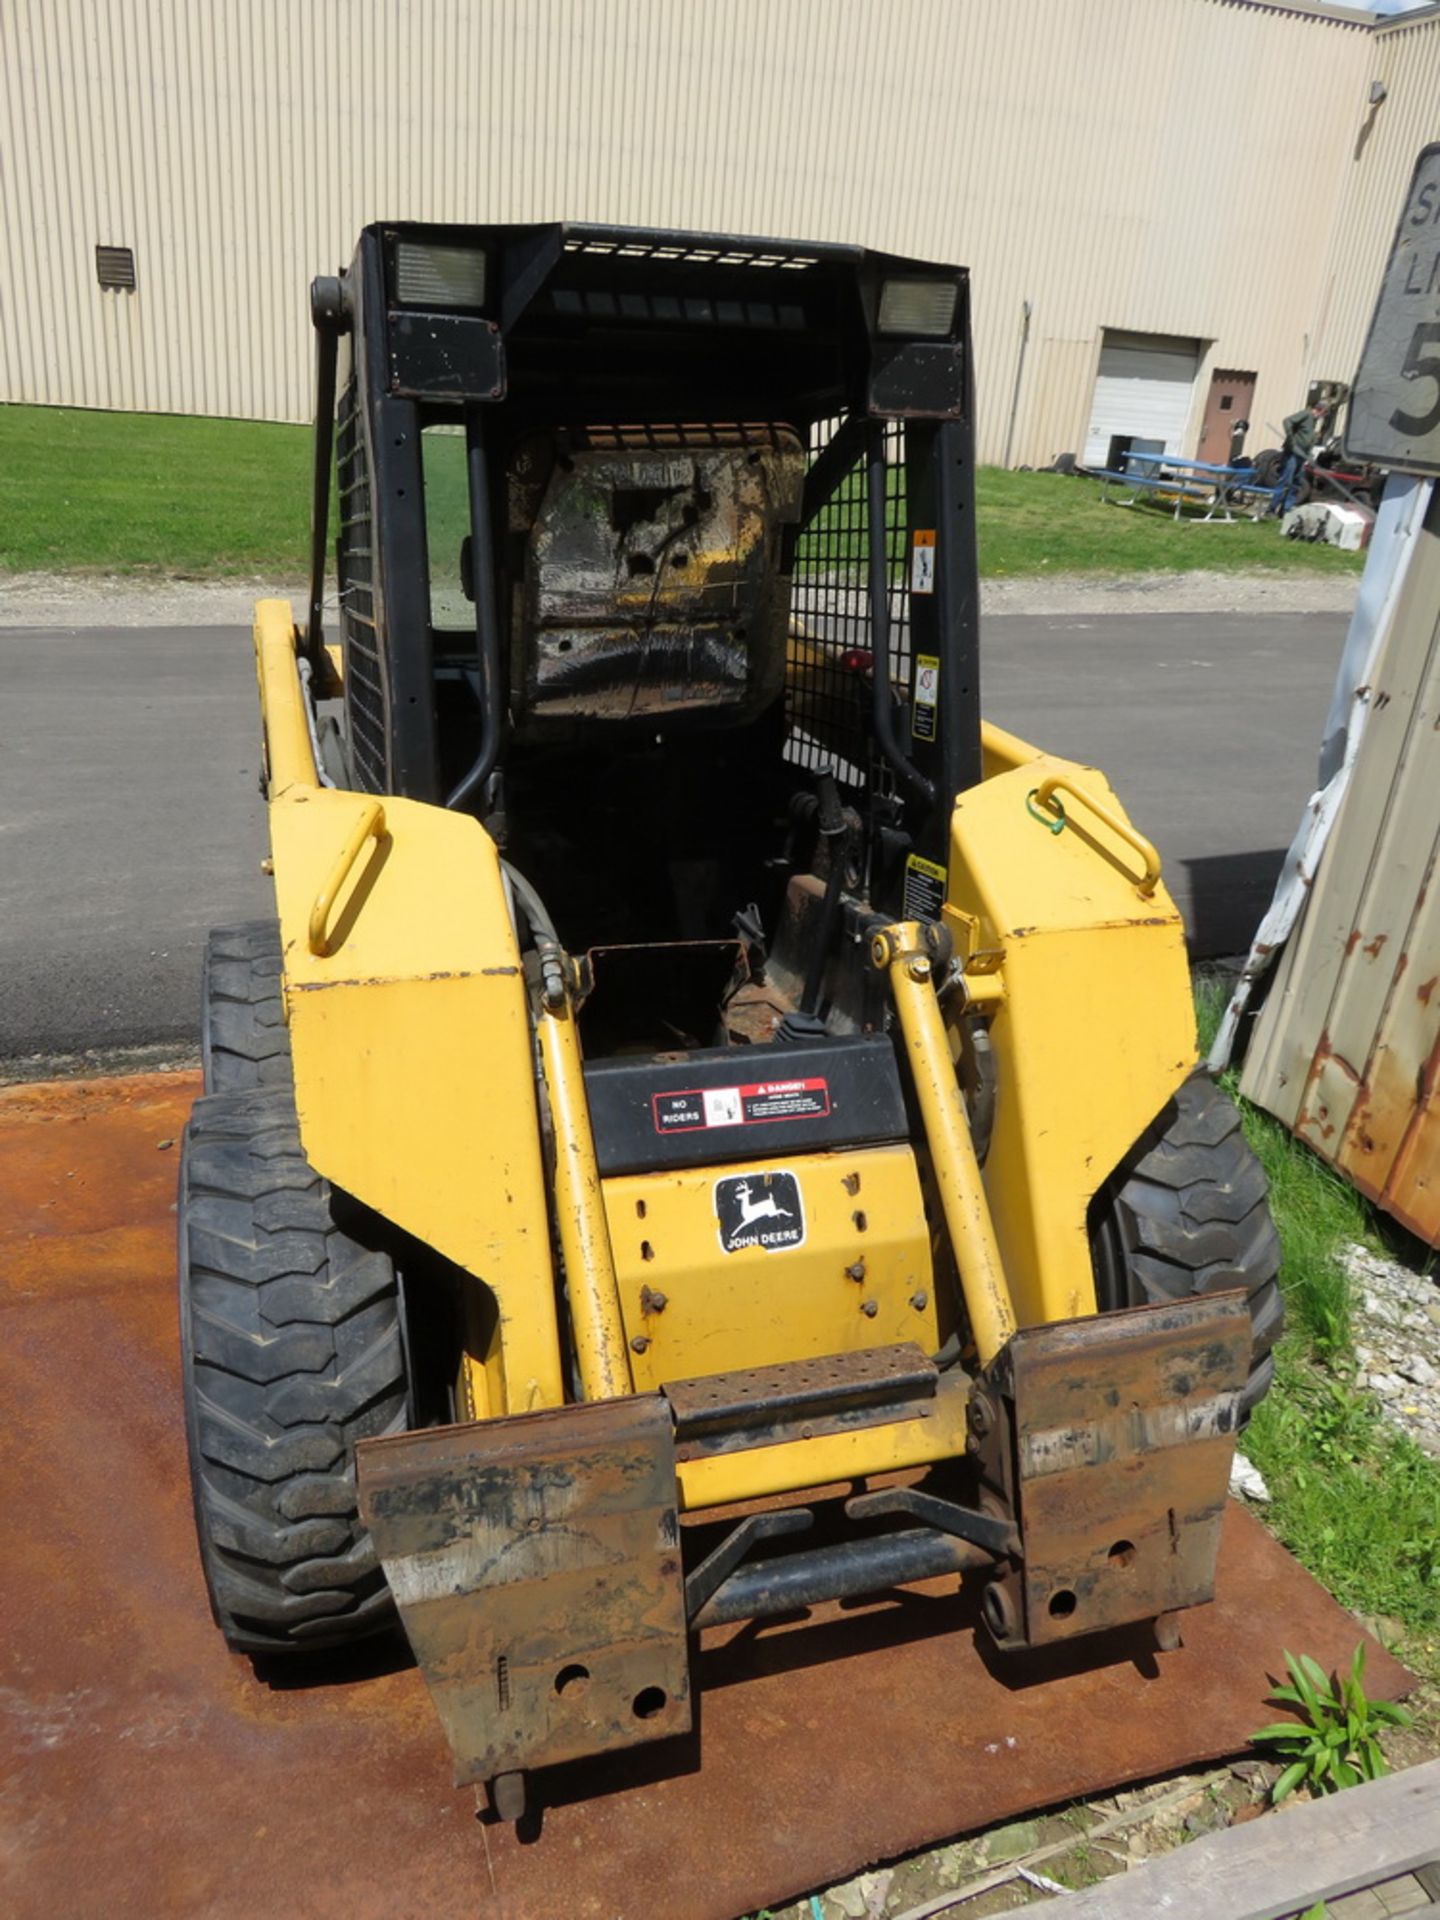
[(711, 1126)]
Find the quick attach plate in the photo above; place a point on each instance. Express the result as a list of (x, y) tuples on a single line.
[(1110, 1440), (801, 1399), (536, 1564)]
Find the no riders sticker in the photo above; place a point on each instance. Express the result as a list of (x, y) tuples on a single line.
[(758, 1104)]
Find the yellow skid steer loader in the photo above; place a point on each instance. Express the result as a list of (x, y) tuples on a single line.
[(712, 1127)]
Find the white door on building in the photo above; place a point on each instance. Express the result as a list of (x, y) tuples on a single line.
[(1143, 393)]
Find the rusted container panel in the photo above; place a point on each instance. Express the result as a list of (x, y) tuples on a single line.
[(1347, 1046)]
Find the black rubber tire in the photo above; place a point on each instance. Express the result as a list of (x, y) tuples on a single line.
[(1189, 1214), (244, 1041), (1266, 467), (291, 1351)]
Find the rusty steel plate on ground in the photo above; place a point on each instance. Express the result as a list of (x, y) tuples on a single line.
[(536, 1565), (150, 1771), (1120, 1438)]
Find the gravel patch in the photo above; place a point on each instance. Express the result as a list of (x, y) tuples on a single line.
[(65, 600), (1261, 591), (1397, 1343), (61, 600), (94, 1063)]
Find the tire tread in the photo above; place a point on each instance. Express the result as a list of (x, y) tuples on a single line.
[(1189, 1215), (292, 1353), (244, 1040)]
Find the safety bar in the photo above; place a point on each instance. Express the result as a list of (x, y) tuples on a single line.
[(1053, 783)]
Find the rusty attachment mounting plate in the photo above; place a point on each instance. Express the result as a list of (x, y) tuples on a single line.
[(536, 1564), (801, 1399), (1110, 1440)]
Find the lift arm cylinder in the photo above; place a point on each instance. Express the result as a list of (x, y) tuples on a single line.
[(902, 951), (594, 1297)]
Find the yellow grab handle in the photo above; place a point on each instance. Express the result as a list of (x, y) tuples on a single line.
[(1122, 829), (371, 823)]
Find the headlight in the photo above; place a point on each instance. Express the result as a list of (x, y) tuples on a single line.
[(430, 276), (918, 307)]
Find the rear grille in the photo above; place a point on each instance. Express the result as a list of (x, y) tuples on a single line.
[(830, 620), (364, 683), (656, 309), (715, 285)]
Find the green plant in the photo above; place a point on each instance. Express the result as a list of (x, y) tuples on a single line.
[(1342, 1431), (1337, 1744), (1318, 1214), (1080, 1868), (1366, 1519)]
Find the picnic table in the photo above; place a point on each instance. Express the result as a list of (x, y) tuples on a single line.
[(1163, 475)]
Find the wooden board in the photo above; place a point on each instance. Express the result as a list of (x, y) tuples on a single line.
[(1268, 1868)]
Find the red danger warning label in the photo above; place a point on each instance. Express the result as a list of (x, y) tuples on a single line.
[(764, 1101)]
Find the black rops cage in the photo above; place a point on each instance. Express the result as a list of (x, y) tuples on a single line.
[(817, 398)]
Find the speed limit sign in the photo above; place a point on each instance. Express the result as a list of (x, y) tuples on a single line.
[(1395, 406)]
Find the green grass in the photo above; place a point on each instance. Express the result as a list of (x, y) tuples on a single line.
[(1354, 1500), (1038, 523), (157, 493), (1045, 523), (152, 493), (1318, 1214)]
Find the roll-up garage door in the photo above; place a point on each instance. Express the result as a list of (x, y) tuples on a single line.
[(1142, 394)]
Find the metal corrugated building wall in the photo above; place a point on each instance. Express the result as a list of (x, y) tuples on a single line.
[(1346, 1050), (1165, 166), (1405, 60)]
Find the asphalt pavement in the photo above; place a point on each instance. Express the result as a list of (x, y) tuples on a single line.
[(130, 817), (130, 823), (1207, 726)]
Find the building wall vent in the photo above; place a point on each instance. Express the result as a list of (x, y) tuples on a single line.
[(115, 269)]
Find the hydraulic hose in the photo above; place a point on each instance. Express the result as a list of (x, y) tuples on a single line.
[(542, 930), (533, 907)]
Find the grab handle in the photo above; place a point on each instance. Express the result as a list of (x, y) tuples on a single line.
[(1053, 783), (370, 824)]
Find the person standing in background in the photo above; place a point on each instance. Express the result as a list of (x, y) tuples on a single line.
[(1301, 430)]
